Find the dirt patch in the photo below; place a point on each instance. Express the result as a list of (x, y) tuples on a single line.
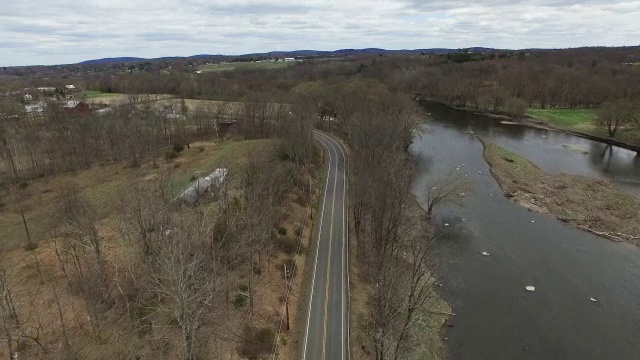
[(592, 205)]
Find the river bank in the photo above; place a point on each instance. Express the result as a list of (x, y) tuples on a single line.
[(539, 123), (591, 205)]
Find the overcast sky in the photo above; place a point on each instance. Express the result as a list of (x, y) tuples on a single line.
[(69, 31)]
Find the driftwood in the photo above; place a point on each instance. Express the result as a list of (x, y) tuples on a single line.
[(605, 234), (631, 237)]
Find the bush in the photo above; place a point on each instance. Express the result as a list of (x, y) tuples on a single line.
[(170, 153), (282, 231), (31, 246), (243, 287), (258, 342), (516, 107), (178, 148), (287, 245), (240, 301), (23, 185)]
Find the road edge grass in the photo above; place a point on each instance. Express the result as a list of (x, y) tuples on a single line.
[(592, 205)]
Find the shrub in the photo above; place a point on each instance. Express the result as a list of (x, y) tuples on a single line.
[(243, 287), (240, 301), (178, 148), (170, 153), (282, 231), (287, 245), (23, 185), (258, 342)]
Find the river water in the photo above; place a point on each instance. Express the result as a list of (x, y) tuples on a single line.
[(496, 318)]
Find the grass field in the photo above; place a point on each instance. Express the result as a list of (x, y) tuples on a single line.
[(102, 186), (90, 94), (245, 65), (584, 121), (578, 119)]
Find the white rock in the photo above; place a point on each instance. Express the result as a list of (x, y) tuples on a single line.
[(462, 194), (592, 299), (479, 172), (446, 224), (533, 221), (484, 253), (530, 288)]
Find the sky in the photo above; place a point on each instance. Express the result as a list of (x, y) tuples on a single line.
[(46, 32)]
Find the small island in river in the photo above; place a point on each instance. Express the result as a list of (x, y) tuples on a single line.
[(593, 205)]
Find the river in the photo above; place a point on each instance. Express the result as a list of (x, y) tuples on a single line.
[(496, 318)]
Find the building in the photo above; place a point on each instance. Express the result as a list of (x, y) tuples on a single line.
[(202, 186), (35, 109), (76, 106), (289, 59), (70, 88)]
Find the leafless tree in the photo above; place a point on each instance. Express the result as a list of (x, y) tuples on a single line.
[(448, 188)]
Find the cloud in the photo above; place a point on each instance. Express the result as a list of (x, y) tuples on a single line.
[(67, 31)]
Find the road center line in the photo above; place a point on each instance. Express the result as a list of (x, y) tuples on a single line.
[(315, 266), (326, 291)]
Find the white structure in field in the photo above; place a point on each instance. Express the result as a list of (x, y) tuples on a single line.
[(201, 186)]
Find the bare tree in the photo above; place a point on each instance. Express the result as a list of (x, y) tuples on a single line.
[(444, 189), (186, 279)]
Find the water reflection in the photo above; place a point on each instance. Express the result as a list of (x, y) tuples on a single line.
[(552, 151)]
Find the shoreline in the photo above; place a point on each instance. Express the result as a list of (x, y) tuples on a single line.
[(594, 206), (536, 123)]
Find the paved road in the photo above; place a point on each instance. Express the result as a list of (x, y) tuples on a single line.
[(327, 321)]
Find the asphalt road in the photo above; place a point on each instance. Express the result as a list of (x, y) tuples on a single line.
[(326, 334)]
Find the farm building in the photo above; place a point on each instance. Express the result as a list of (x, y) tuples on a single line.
[(198, 188)]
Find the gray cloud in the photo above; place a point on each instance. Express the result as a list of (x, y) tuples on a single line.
[(65, 31)]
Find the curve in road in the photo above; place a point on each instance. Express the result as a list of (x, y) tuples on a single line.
[(326, 334)]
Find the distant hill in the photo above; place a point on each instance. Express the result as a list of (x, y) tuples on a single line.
[(294, 53), (111, 60)]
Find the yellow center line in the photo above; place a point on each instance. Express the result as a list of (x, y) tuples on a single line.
[(326, 291)]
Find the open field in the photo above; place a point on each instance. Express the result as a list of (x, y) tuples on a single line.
[(578, 119), (245, 65), (102, 185), (90, 94), (592, 205), (115, 99), (122, 335), (584, 121)]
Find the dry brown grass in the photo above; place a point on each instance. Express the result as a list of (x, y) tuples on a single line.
[(584, 202), (103, 185)]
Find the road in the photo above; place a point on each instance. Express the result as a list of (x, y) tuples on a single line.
[(326, 334)]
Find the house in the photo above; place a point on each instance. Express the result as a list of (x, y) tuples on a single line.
[(35, 109), (76, 106), (46, 89), (289, 59), (28, 97), (70, 88), (103, 111)]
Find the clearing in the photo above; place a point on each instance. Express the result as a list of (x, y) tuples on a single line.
[(578, 119), (245, 65), (583, 121), (104, 187)]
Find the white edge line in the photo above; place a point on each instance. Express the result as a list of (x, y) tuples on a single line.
[(315, 265)]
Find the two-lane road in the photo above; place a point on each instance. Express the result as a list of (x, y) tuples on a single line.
[(326, 334)]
